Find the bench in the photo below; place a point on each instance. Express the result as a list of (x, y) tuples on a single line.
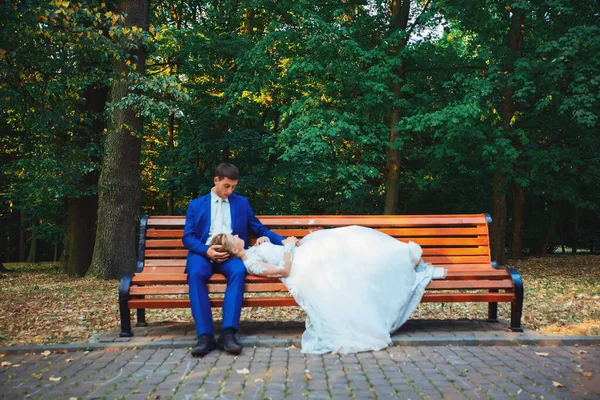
[(459, 243)]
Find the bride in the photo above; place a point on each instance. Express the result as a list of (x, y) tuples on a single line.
[(356, 284)]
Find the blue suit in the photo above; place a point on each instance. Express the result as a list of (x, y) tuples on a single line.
[(199, 268)]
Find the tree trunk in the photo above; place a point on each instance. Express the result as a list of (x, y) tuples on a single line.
[(498, 231), (516, 246), (22, 236), (551, 227), (575, 245), (120, 185), (515, 38), (400, 13), (83, 211), (31, 258), (81, 231), (171, 133)]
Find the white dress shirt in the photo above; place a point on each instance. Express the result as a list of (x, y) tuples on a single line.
[(220, 216)]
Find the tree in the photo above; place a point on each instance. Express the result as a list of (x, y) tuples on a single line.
[(119, 184)]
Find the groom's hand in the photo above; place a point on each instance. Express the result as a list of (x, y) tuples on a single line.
[(215, 255)]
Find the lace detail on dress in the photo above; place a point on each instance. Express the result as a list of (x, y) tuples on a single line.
[(253, 261), (288, 248), (266, 253)]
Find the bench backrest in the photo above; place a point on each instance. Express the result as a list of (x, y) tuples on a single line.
[(455, 242)]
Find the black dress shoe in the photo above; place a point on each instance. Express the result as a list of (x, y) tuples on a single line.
[(206, 344), (229, 343)]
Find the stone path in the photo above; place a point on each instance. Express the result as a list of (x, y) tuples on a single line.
[(401, 372), (464, 359)]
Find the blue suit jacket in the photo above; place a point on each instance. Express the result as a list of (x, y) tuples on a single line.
[(243, 222)]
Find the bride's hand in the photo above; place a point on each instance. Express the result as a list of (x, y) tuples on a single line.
[(291, 239), (261, 240)]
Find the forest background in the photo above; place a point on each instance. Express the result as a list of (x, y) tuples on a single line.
[(111, 110)]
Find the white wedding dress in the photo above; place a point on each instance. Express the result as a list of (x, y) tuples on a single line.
[(356, 285)]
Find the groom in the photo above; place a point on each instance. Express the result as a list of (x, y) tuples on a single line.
[(220, 211)]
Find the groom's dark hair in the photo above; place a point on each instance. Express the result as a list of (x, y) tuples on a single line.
[(226, 170)]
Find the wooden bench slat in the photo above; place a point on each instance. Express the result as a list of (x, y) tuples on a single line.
[(338, 220), (469, 284), (440, 261), (480, 231), (373, 220), (153, 243), (173, 269), (289, 301), (467, 297), (212, 288), (280, 287), (427, 251), (215, 302), (422, 241), (164, 233)]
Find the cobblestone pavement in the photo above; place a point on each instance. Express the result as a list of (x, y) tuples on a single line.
[(401, 372)]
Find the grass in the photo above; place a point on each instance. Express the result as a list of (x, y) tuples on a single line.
[(40, 304)]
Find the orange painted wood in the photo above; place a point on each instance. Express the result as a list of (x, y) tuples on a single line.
[(469, 284), (443, 241), (217, 302), (153, 243), (164, 263), (159, 279), (480, 231), (452, 251), (440, 260), (373, 220), (161, 220), (162, 270), (164, 233), (467, 275), (336, 220), (164, 253), (212, 288), (467, 297)]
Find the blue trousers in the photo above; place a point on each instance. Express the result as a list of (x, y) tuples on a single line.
[(199, 271)]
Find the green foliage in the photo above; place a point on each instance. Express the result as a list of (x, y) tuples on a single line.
[(299, 95)]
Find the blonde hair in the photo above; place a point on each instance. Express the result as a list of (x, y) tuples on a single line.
[(223, 240)]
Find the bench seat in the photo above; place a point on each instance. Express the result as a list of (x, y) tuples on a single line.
[(459, 243)]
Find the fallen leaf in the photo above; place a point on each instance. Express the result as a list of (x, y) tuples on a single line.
[(54, 379), (307, 377), (580, 352), (542, 354), (6, 364), (586, 373), (520, 391), (68, 360), (258, 380), (62, 351), (16, 365), (73, 398), (243, 371), (557, 384), (2, 355), (291, 346), (46, 353), (36, 376)]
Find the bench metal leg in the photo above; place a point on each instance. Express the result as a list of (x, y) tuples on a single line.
[(516, 308), (493, 309), (124, 310), (141, 317)]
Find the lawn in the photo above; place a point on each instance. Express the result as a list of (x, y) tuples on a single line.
[(40, 304)]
